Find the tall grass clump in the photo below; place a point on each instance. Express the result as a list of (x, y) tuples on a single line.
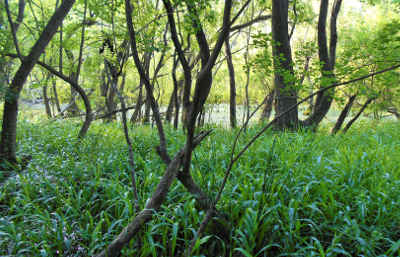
[(291, 194)]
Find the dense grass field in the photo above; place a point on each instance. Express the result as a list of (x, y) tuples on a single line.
[(311, 194)]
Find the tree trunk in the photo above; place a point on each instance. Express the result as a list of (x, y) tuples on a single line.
[(56, 101), (139, 102), (171, 105), (327, 57), (8, 133), (146, 118), (232, 84), (266, 113), (286, 95), (111, 87), (178, 106), (348, 125), (73, 109), (343, 114), (174, 95), (46, 102)]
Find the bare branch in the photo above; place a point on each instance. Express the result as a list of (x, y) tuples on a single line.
[(14, 26)]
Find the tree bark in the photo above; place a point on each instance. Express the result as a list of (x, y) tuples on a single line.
[(9, 126), (286, 94)]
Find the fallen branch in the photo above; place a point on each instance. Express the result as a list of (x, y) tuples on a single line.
[(152, 205)]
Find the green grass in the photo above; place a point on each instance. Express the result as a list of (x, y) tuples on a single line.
[(311, 195)]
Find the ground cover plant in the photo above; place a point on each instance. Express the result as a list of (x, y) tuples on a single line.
[(291, 194), (106, 147)]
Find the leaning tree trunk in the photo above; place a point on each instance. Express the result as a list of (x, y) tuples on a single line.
[(351, 122), (286, 95), (343, 115), (9, 127)]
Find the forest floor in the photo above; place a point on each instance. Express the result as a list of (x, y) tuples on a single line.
[(307, 194)]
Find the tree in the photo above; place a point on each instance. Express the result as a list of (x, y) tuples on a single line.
[(286, 93), (285, 79), (9, 126)]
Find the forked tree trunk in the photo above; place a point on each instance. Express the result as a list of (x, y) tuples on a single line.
[(9, 126), (343, 114), (351, 122), (327, 56)]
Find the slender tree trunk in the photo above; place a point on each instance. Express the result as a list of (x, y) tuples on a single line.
[(171, 104), (178, 105), (56, 101), (246, 111), (147, 102), (266, 113), (46, 102), (232, 84), (343, 115), (146, 118), (9, 126), (311, 101), (73, 109), (286, 95), (137, 114), (351, 122)]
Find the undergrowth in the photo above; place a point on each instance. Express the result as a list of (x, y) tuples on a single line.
[(307, 194)]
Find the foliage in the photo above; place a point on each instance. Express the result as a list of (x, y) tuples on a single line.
[(309, 195), (372, 47)]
